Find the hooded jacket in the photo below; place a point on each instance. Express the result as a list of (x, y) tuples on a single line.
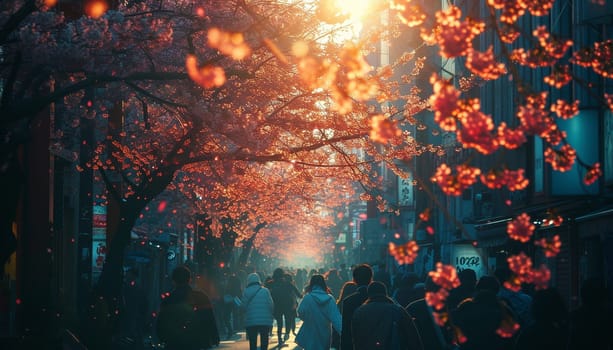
[(319, 314), (257, 304)]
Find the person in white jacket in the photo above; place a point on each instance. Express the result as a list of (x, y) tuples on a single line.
[(258, 307), (319, 314)]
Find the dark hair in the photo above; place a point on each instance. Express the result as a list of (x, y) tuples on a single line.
[(488, 283), (277, 274), (317, 280), (181, 275), (362, 274)]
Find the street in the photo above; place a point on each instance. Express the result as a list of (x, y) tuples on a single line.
[(239, 342)]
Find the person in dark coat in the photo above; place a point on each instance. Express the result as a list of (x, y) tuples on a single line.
[(186, 320), (362, 276), (380, 323), (479, 319), (284, 295), (550, 327), (134, 313), (592, 322), (433, 336)]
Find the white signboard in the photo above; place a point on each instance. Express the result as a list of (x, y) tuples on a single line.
[(465, 256)]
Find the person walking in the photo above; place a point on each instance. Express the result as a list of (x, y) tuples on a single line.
[(284, 295), (232, 290), (186, 320), (550, 329), (381, 323), (291, 318), (319, 315), (362, 276), (258, 307), (134, 313)]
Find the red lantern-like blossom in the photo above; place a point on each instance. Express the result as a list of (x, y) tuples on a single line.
[(410, 14), (453, 36), (437, 299), (593, 173), (484, 65), (476, 128), (384, 130), (444, 102), (562, 159), (455, 184), (559, 76), (521, 229), (551, 247), (514, 180), (445, 276), (405, 253), (509, 138), (564, 109)]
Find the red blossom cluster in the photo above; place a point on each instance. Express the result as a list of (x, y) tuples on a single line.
[(453, 36), (404, 253), (477, 127), (560, 76), (510, 138), (384, 130), (484, 65), (533, 116), (454, 185), (230, 44), (410, 14), (565, 110), (599, 58), (593, 173), (437, 300), (207, 76), (444, 102), (513, 9), (513, 179), (561, 159), (549, 51), (551, 247), (445, 276), (521, 228), (521, 265), (425, 215)]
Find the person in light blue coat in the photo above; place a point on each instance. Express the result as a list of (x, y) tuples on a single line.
[(258, 307), (319, 314)]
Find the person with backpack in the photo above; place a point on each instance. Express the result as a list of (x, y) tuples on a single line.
[(186, 320), (381, 323), (257, 305), (319, 315)]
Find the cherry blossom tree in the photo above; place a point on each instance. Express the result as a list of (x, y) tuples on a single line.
[(260, 115)]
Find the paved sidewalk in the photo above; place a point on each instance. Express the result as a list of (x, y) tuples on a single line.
[(239, 341)]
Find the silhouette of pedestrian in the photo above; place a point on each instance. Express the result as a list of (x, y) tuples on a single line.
[(284, 295), (319, 314), (380, 323), (362, 276), (592, 322), (479, 319), (186, 320), (134, 312), (550, 327), (348, 288), (258, 307), (433, 336)]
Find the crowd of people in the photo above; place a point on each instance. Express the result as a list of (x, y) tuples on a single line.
[(366, 308)]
